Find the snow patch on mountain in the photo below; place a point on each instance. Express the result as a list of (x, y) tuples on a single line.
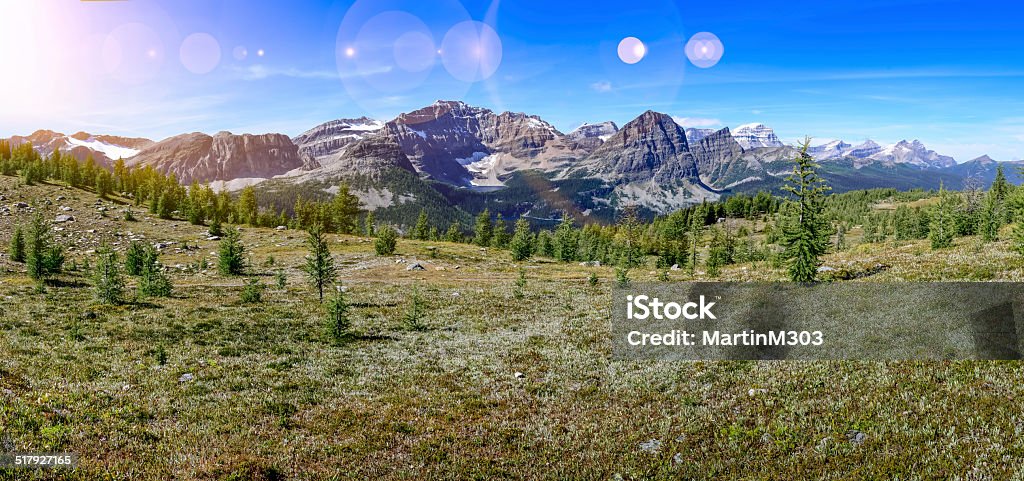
[(756, 135), (112, 151)]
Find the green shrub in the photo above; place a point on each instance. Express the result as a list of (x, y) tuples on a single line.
[(622, 277), (252, 292), (386, 242)]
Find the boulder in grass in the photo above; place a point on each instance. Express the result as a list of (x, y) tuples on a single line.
[(60, 219)]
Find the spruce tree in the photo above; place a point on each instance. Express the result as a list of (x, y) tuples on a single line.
[(17, 246), (454, 233), (483, 229), (230, 255), (108, 285), (941, 229), (319, 263), (369, 227), (338, 323), (806, 232), (500, 236), (153, 282), (135, 258), (521, 244), (422, 229), (566, 241), (42, 257), (990, 217)]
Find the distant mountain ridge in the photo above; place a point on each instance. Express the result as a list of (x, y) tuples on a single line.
[(474, 156)]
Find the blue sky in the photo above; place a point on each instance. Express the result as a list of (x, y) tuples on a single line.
[(949, 73)]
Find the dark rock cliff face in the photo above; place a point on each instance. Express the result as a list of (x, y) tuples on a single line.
[(330, 138), (441, 139), (720, 160), (224, 156), (652, 146)]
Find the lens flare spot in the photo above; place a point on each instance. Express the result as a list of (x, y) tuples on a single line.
[(132, 53), (414, 51), (631, 50), (240, 53), (471, 51), (704, 50), (260, 53), (200, 53)]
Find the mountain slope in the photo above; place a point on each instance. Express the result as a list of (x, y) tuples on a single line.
[(222, 157)]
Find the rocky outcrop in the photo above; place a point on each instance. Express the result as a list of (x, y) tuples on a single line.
[(589, 137), (721, 161), (650, 147), (224, 156), (328, 139)]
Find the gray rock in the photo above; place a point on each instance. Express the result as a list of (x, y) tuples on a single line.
[(856, 437), (280, 227), (64, 218), (415, 266), (651, 446), (186, 377)]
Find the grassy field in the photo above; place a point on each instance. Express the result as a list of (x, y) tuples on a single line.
[(506, 382)]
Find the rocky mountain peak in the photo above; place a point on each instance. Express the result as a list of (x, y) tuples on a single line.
[(756, 135)]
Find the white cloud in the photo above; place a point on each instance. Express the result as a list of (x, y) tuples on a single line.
[(697, 122), (602, 86)]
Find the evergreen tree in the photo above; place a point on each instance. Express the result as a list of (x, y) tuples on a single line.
[(247, 209), (422, 229), (840, 237), (153, 282), (231, 260), (806, 234), (387, 241), (991, 215), (369, 229), (108, 285), (696, 237), (135, 258), (42, 256), (338, 323), (566, 242), (521, 244), (941, 231), (483, 229), (500, 236), (319, 263), (454, 233), (17, 246), (345, 211), (628, 238), (1018, 234), (1000, 186)]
